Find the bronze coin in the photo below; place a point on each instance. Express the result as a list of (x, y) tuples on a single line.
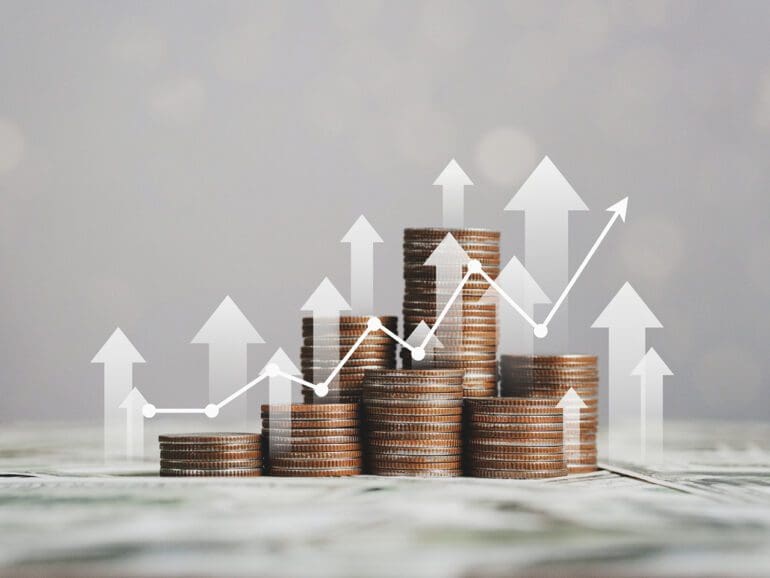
[(375, 410), (581, 469), (210, 438), (315, 472), (317, 449), (292, 461), (230, 473), (428, 473), (210, 455), (308, 424), (516, 474), (417, 437), (315, 455), (314, 409), (209, 464), (414, 426)]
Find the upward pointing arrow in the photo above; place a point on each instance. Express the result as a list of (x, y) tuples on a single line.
[(453, 181), (448, 258), (228, 333), (278, 367), (325, 304), (362, 237), (651, 370), (547, 198), (515, 334), (416, 339), (118, 356), (627, 317), (571, 403), (133, 404)]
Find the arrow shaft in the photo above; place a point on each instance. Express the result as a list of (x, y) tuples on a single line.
[(118, 379), (326, 328), (571, 417), (453, 206), (279, 394), (452, 306), (526, 316), (362, 278), (228, 364), (652, 418), (515, 334), (580, 269), (626, 348), (134, 433)]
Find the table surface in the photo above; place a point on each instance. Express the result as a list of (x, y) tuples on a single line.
[(705, 511)]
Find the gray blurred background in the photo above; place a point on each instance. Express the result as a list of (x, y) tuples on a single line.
[(155, 157)]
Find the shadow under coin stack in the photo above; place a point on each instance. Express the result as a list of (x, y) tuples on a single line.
[(210, 455), (468, 336), (321, 353), (514, 438), (305, 440), (413, 422), (551, 376)]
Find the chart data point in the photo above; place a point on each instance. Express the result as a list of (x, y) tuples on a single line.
[(148, 410), (474, 266), (418, 354), (272, 369), (211, 410), (321, 390), (374, 324), (541, 330)]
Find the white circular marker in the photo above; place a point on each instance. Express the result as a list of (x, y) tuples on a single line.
[(272, 369), (374, 324), (211, 410), (474, 266), (418, 354), (148, 410), (321, 390), (540, 330)]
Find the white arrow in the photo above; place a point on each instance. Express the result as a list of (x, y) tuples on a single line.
[(118, 356), (651, 370), (453, 181), (416, 339), (133, 405), (547, 199), (515, 333), (228, 333), (325, 305), (627, 317), (571, 404), (278, 369), (448, 258), (362, 238)]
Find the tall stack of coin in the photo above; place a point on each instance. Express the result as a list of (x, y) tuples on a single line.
[(551, 376), (210, 455), (468, 335), (413, 422), (510, 437), (306, 440), (321, 354)]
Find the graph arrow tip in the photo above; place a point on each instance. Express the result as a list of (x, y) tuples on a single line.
[(651, 364), (448, 252), (620, 208), (571, 399), (546, 189), (361, 232), (418, 335), (452, 175), (134, 399), (326, 299), (626, 309), (516, 281), (227, 323), (282, 362), (118, 348)]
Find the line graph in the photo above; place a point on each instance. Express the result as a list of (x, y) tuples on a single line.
[(473, 266)]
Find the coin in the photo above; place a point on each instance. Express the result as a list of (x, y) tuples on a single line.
[(210, 455), (185, 464), (229, 473), (314, 472), (210, 438)]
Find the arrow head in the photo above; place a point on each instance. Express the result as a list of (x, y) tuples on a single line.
[(452, 175), (627, 309), (546, 189), (133, 400), (361, 232), (118, 349), (620, 208), (448, 252), (520, 286), (651, 365), (326, 299), (571, 400), (227, 323), (419, 333), (283, 362)]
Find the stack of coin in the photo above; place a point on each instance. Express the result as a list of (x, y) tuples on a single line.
[(210, 454), (468, 334), (306, 440), (321, 354), (551, 376), (413, 422), (510, 437)]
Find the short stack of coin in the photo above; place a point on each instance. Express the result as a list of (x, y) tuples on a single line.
[(551, 376), (312, 440), (468, 335), (377, 351), (517, 438), (413, 422), (210, 455)]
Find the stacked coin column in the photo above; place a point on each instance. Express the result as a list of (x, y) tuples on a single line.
[(210, 455), (552, 376), (413, 422), (468, 335), (317, 440), (518, 438), (321, 354)]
